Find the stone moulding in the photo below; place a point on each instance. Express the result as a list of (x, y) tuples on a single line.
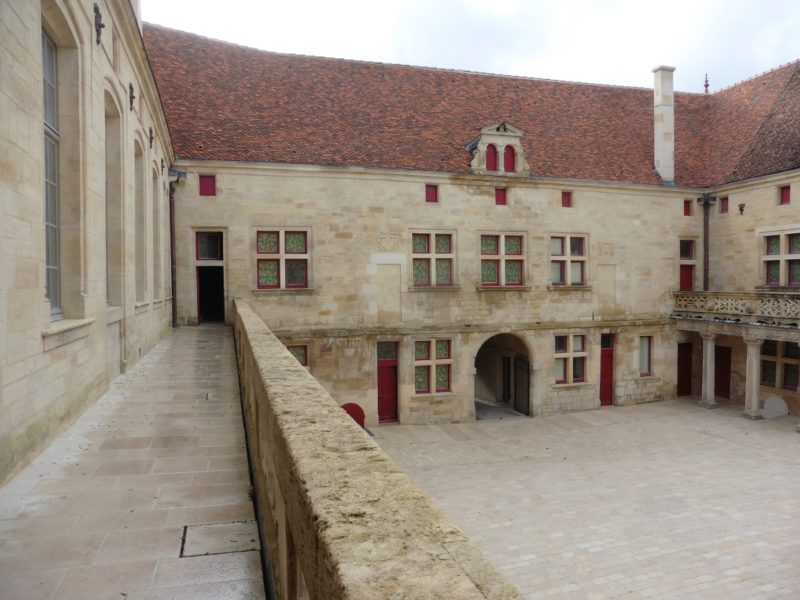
[(760, 304), (339, 518)]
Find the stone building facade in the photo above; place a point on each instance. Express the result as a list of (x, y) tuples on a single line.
[(84, 250), (419, 238)]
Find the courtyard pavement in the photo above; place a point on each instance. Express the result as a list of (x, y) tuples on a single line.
[(145, 497), (662, 500)]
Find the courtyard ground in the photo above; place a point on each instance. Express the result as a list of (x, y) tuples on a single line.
[(662, 500)]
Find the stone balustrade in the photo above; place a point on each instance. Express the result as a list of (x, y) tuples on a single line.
[(339, 519), (750, 307)]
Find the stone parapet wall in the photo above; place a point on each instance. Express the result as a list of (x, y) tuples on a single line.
[(339, 517)]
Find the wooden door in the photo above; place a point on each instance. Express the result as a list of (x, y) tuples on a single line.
[(606, 369), (505, 392), (685, 369), (722, 371), (387, 382), (522, 385), (687, 278)]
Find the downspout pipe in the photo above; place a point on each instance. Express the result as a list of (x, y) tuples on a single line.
[(175, 177), (707, 200)]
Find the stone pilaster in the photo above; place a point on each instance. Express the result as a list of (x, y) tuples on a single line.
[(709, 398)]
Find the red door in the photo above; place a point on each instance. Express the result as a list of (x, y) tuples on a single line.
[(687, 278), (684, 369), (387, 382), (606, 369), (722, 371)]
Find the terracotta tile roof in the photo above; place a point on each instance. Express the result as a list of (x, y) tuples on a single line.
[(232, 103)]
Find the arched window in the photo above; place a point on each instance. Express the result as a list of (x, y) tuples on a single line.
[(491, 157), (509, 160)]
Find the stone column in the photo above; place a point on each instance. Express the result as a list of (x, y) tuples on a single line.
[(709, 399), (752, 397)]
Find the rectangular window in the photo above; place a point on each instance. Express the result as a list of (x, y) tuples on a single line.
[(300, 352), (566, 199), (768, 373), (208, 185), (282, 259), (645, 355), (568, 260), (785, 194), (432, 259), (431, 193), (723, 205), (781, 259), (500, 196), (502, 260), (208, 245), (52, 230), (687, 208), (570, 358), (433, 359), (780, 365), (687, 249)]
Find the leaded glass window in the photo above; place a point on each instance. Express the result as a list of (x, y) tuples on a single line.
[(268, 273), (296, 273), (490, 272), (300, 353), (489, 244), (571, 271), (791, 375), (444, 271), (438, 366), (52, 232), (444, 243), (794, 272), (508, 269), (267, 242), (422, 378), (295, 242), (570, 358), (288, 262), (513, 272), (773, 244), (432, 264), (422, 350), (420, 243), (422, 271), (773, 268), (794, 243), (513, 244), (443, 378), (442, 349), (387, 350)]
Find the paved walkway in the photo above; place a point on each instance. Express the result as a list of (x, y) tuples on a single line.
[(661, 500), (115, 508)]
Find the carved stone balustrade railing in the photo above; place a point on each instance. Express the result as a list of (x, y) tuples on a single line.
[(778, 306)]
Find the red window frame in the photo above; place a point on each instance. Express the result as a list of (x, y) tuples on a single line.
[(566, 199), (581, 360), (496, 282), (784, 195), (449, 376), (687, 208), (198, 235), (500, 197), (305, 242), (431, 193), (266, 260), (277, 235), (491, 157), (509, 159), (305, 272), (207, 185), (723, 205)]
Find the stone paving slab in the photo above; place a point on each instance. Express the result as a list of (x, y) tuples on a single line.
[(663, 500), (103, 512)]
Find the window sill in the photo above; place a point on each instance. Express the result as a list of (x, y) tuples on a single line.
[(785, 289), (571, 386), (503, 288), (141, 307), (569, 288), (649, 378), (65, 331), (432, 395), (113, 314), (440, 288), (283, 291)]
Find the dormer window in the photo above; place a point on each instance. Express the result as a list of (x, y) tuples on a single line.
[(509, 160), (502, 142), (491, 157)]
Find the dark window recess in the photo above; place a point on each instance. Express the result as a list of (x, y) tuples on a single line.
[(209, 245), (723, 205), (208, 185), (500, 196), (687, 208), (687, 249), (566, 199), (431, 193)]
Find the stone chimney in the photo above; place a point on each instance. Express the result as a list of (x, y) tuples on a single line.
[(664, 123)]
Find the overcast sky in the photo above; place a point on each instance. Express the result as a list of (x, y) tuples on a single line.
[(604, 41)]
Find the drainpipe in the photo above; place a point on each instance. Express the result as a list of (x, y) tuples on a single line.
[(707, 200), (175, 177)]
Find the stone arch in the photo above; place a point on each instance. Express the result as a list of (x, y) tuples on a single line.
[(503, 368)]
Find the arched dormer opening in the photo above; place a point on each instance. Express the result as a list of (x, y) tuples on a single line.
[(485, 149), (509, 159), (491, 157)]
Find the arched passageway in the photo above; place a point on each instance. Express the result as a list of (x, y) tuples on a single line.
[(502, 373)]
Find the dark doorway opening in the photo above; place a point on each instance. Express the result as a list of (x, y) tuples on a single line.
[(502, 374), (722, 371), (606, 369), (685, 369), (210, 295)]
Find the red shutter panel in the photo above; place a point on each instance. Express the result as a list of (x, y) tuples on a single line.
[(785, 194), (491, 158), (509, 160), (500, 196), (687, 208), (431, 193), (723, 205), (566, 199), (208, 185)]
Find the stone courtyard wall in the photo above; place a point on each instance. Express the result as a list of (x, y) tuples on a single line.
[(338, 517)]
